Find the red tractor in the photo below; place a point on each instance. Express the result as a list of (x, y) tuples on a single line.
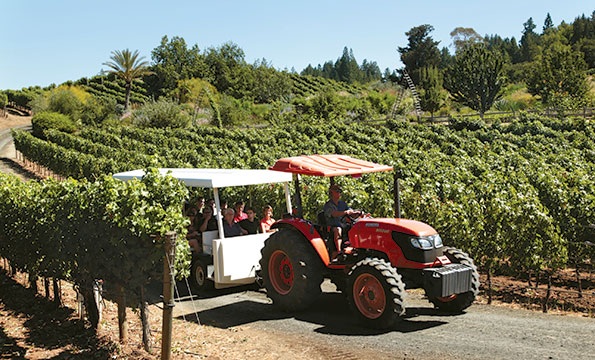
[(385, 255)]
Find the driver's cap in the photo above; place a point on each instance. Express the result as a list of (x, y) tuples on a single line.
[(335, 188)]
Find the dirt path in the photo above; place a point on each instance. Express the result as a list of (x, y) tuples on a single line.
[(482, 332), (14, 120), (8, 163), (32, 327)]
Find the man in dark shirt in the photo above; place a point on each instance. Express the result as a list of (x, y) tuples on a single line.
[(231, 228), (334, 210), (207, 222), (250, 224)]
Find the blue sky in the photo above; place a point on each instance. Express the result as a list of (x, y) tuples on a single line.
[(46, 42)]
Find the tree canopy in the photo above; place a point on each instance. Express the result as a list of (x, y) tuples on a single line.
[(559, 77), (421, 51), (346, 69), (128, 66), (462, 37), (476, 77)]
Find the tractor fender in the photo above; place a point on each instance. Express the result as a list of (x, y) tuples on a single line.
[(309, 233)]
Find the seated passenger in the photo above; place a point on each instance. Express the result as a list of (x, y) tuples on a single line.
[(240, 214), (231, 228), (334, 210), (250, 224), (267, 219), (193, 235), (209, 222), (199, 205)]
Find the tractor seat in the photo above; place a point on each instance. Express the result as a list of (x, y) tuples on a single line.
[(321, 226)]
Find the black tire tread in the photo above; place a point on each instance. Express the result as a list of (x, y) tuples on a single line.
[(391, 281), (307, 268), (462, 301)]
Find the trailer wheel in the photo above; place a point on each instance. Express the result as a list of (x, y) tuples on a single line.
[(376, 293), (198, 276), (291, 270), (459, 302)]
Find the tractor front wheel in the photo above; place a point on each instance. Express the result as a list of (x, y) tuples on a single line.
[(459, 302), (376, 293), (291, 270)]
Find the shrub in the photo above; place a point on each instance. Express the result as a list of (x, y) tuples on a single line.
[(39, 104), (96, 111), (3, 100), (51, 120), (160, 114), (65, 102), (469, 123), (233, 112)]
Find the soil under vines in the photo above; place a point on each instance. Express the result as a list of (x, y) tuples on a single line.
[(33, 327)]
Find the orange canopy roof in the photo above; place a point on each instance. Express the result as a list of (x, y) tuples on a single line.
[(327, 165)]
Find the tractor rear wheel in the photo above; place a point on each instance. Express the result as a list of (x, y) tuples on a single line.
[(291, 270), (376, 293), (459, 302)]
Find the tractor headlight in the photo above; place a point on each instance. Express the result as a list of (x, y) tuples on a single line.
[(421, 243), (437, 241), (427, 242)]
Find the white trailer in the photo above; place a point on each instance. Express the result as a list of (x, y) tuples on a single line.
[(233, 261)]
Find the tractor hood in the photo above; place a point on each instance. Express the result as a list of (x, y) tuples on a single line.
[(411, 227)]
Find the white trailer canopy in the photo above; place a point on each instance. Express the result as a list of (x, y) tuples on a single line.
[(218, 178), (215, 178), (236, 259)]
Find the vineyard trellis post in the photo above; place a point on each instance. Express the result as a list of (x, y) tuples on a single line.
[(168, 293), (144, 319), (122, 321)]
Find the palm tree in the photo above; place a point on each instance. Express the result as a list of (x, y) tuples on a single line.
[(129, 67)]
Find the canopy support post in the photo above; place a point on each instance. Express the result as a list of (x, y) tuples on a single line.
[(397, 175), (287, 197), (298, 195), (218, 216)]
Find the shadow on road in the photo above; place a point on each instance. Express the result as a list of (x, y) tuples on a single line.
[(330, 312), (9, 349)]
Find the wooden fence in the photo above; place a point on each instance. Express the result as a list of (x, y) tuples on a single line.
[(509, 115)]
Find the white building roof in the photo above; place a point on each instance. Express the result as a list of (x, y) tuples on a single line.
[(215, 178)]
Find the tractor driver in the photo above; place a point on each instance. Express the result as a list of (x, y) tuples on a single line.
[(334, 210)]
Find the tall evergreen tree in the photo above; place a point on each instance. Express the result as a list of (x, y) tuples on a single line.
[(548, 24), (421, 50), (431, 84), (346, 69), (529, 41), (446, 58)]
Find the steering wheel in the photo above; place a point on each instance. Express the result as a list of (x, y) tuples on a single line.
[(354, 216)]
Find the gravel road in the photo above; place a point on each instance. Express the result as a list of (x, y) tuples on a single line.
[(483, 332)]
